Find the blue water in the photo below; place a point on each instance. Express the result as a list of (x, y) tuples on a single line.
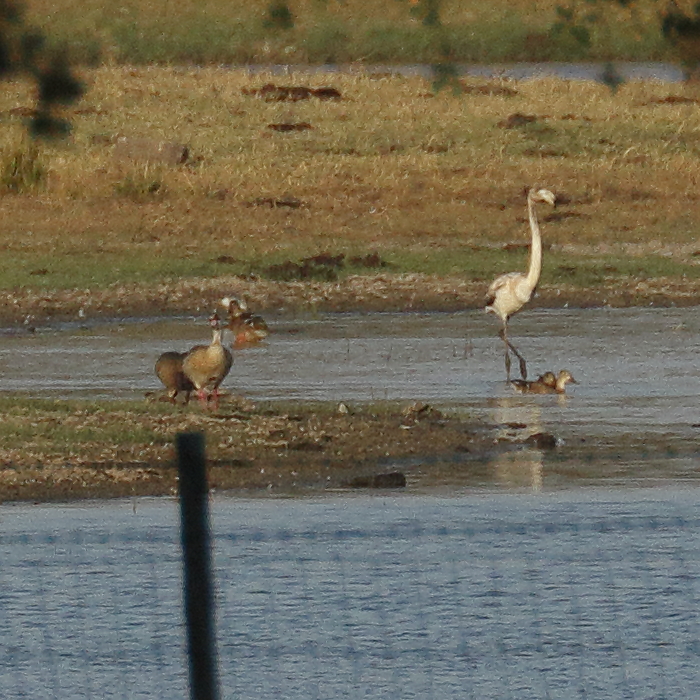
[(587, 593)]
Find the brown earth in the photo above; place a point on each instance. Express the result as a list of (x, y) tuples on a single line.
[(260, 449), (388, 169), (379, 292), (299, 449)]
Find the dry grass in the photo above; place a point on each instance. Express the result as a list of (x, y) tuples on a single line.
[(432, 182)]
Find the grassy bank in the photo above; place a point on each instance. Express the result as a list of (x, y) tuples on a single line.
[(58, 450), (309, 31), (391, 175), (66, 450)]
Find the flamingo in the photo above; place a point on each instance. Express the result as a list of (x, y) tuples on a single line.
[(510, 292)]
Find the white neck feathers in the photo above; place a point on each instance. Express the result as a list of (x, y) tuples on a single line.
[(533, 273)]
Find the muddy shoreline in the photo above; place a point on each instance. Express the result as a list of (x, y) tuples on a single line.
[(298, 449), (66, 450), (268, 448), (24, 308)]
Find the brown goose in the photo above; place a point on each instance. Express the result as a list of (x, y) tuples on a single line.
[(206, 366), (169, 371), (247, 328), (547, 383)]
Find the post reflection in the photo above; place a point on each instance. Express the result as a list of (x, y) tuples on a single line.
[(517, 419)]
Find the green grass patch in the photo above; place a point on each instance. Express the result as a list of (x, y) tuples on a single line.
[(484, 264), (99, 270), (22, 170), (262, 31), (592, 271), (64, 424), (23, 407), (49, 431), (581, 270)]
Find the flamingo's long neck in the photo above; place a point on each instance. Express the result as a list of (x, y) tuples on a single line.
[(533, 273)]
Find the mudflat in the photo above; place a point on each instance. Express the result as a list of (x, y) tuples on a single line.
[(68, 450)]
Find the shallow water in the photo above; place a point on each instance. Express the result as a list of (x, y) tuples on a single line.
[(449, 592), (636, 368), (584, 593), (648, 70)]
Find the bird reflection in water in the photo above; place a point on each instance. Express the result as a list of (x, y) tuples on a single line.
[(519, 422)]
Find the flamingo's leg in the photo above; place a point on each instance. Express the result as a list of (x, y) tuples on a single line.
[(511, 348), (521, 361), (507, 363), (503, 335)]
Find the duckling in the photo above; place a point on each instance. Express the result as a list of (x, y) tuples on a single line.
[(547, 383), (206, 366), (169, 371), (563, 378), (247, 329)]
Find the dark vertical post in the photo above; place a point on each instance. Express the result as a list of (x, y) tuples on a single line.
[(198, 579)]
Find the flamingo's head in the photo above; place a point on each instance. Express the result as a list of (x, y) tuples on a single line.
[(540, 194)]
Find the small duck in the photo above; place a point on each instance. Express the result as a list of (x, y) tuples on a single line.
[(547, 383), (206, 366), (247, 328), (169, 371)]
